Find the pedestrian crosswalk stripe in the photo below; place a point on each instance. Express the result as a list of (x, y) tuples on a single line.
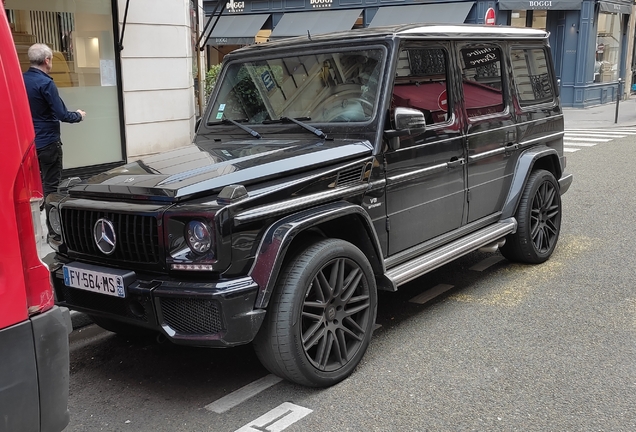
[(600, 133), (579, 144), (566, 137), (575, 139), (603, 130), (595, 136)]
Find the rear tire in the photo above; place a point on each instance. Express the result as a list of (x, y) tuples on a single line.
[(539, 221), (321, 315)]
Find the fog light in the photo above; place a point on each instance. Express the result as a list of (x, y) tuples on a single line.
[(199, 237)]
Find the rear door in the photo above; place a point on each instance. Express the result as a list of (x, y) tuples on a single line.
[(539, 117), (491, 134), (425, 176)]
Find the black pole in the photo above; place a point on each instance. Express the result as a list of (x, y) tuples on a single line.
[(123, 27), (618, 99), (205, 29)]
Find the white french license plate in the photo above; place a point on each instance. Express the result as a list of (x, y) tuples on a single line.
[(90, 279)]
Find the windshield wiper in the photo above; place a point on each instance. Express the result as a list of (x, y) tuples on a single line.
[(226, 120), (305, 126)]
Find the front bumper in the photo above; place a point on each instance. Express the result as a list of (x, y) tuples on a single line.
[(215, 314)]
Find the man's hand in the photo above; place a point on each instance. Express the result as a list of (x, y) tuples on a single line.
[(82, 113)]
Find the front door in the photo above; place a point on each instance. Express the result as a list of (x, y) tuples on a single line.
[(425, 176)]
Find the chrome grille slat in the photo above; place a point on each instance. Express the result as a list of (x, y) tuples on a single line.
[(137, 243)]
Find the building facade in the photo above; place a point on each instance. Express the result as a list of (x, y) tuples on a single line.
[(131, 65), (591, 39)]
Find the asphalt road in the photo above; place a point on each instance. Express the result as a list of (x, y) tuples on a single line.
[(510, 348)]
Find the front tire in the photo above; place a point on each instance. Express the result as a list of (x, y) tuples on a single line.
[(539, 221), (321, 315)]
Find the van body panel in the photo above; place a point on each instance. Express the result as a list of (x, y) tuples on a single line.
[(34, 370)]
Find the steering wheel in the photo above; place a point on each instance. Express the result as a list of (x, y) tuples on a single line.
[(365, 104), (350, 109)]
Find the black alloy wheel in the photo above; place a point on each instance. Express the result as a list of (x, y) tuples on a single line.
[(321, 316), (539, 221)]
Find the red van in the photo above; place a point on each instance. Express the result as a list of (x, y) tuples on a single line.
[(34, 357)]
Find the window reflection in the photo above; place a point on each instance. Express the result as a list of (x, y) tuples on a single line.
[(80, 34), (607, 47)]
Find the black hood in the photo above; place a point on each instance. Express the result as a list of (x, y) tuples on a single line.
[(210, 165)]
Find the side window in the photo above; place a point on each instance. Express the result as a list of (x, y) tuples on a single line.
[(532, 78), (482, 80), (421, 82)]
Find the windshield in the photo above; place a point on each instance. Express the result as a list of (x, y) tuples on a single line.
[(327, 87)]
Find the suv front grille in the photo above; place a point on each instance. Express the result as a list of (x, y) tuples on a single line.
[(191, 316), (137, 237)]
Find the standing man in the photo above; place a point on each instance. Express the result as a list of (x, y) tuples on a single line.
[(47, 111)]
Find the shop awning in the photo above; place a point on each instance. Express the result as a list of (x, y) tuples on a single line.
[(236, 29), (316, 22), (447, 13), (611, 7), (540, 4)]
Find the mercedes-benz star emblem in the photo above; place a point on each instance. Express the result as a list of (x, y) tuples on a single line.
[(104, 236)]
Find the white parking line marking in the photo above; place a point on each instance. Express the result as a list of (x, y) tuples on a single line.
[(570, 150), (278, 419), (578, 144), (430, 293), (241, 395), (577, 138), (488, 262)]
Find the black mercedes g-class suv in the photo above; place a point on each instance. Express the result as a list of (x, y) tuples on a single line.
[(324, 168)]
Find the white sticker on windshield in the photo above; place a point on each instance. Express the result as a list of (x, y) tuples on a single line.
[(222, 107), (219, 115)]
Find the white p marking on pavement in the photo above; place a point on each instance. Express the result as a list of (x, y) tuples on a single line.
[(278, 419)]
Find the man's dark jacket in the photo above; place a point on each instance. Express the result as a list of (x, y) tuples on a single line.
[(47, 108)]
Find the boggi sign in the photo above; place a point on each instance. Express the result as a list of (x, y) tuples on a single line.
[(540, 4)]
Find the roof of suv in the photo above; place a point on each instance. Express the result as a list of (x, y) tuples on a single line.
[(427, 31)]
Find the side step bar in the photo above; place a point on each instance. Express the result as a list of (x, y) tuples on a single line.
[(420, 265)]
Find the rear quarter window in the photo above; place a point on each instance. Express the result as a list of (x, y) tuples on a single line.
[(532, 76)]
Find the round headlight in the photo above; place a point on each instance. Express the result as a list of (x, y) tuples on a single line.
[(199, 236), (54, 220)]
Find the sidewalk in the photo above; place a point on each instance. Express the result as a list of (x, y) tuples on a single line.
[(601, 116)]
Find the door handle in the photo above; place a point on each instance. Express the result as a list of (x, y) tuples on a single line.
[(511, 147), (455, 162)]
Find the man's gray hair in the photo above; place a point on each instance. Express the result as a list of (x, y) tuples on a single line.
[(38, 53)]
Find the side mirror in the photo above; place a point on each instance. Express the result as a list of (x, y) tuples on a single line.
[(409, 118), (408, 121)]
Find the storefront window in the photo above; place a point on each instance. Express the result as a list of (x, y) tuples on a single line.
[(607, 47), (530, 18), (80, 33), (518, 18)]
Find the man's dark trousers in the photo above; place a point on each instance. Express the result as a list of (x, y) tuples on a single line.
[(50, 158)]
